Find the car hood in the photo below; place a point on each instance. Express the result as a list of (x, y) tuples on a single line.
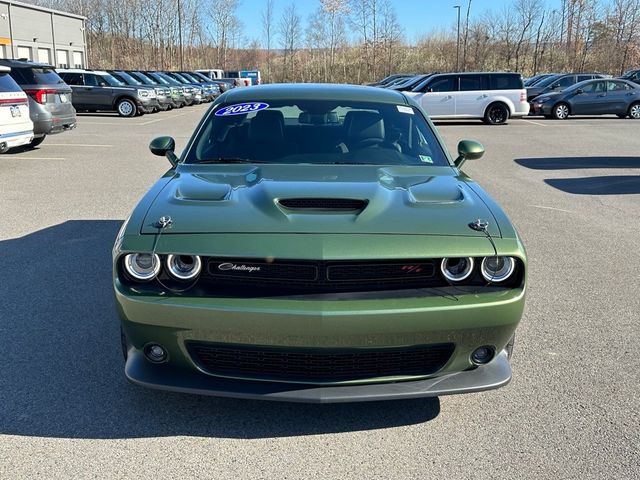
[(319, 199), (547, 95)]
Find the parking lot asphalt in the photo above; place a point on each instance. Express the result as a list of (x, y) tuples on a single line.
[(572, 188)]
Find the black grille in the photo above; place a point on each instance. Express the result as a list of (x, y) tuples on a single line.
[(317, 364), (321, 276), (324, 204)]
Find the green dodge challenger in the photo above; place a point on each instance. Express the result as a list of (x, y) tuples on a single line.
[(317, 243)]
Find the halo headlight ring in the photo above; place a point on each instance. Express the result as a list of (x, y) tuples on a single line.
[(507, 267), (142, 266), (181, 270), (455, 277)]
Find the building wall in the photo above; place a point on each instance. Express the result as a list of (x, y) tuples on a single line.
[(42, 35)]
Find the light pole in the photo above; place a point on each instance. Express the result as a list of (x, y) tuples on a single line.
[(458, 40)]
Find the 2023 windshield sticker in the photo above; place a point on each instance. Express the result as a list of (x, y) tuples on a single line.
[(241, 108)]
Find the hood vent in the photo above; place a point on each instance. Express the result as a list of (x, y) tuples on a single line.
[(349, 205)]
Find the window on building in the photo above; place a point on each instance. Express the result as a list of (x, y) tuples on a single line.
[(63, 59), (77, 60), (25, 52), (44, 55)]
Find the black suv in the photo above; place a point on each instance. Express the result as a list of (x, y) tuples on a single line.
[(95, 90), (556, 83), (50, 107)]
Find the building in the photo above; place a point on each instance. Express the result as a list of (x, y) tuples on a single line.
[(42, 34)]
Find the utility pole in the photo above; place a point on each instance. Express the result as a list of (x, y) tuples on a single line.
[(458, 41), (180, 35)]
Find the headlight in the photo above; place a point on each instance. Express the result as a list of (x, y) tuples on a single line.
[(497, 269), (542, 100), (184, 267), (142, 266), (457, 269)]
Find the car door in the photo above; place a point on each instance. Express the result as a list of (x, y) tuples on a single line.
[(98, 91), (586, 100), (438, 99), (618, 97), (472, 98), (76, 82)]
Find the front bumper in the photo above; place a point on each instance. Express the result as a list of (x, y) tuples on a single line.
[(148, 105), (540, 108), (139, 371)]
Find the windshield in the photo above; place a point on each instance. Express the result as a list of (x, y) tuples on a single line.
[(144, 78), (545, 82), (165, 79), (200, 76), (125, 77), (190, 78), (113, 81), (179, 78), (316, 132)]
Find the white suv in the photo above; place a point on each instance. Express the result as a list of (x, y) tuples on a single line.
[(492, 97), (16, 128)]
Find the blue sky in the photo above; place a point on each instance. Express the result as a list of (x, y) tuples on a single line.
[(416, 16)]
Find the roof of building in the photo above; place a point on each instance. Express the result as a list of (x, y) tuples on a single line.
[(42, 9)]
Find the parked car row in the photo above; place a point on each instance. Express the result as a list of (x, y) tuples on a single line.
[(496, 97), (34, 102), (561, 95), (131, 93)]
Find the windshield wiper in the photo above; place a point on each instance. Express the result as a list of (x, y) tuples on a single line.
[(230, 160)]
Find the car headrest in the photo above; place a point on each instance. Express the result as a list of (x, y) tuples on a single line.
[(365, 126), (267, 126)]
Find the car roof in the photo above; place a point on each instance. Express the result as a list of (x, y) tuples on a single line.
[(10, 62), (314, 91)]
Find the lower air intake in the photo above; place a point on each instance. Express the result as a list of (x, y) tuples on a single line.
[(318, 365)]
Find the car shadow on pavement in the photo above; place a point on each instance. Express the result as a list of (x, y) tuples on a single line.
[(603, 185), (62, 368), (596, 185), (575, 163)]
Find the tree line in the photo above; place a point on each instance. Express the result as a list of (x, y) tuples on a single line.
[(358, 41)]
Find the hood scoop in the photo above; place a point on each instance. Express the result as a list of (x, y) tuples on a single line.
[(324, 205)]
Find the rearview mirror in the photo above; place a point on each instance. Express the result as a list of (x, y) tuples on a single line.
[(164, 147), (468, 150)]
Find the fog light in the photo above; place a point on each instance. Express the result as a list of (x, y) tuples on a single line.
[(482, 355), (155, 353)]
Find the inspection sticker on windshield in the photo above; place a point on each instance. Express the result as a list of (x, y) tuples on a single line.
[(425, 159), (241, 108), (405, 109)]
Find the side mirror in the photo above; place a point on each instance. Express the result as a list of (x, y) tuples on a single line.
[(555, 85), (579, 91), (468, 150), (164, 147)]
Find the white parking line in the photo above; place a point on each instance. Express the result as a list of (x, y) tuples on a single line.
[(76, 145), (551, 208), (41, 158), (535, 123), (164, 118)]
